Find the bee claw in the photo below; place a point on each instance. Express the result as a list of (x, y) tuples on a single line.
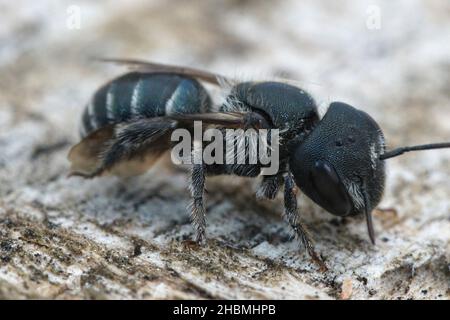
[(191, 244), (319, 262)]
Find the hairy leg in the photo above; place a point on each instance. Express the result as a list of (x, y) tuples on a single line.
[(291, 214), (269, 187), (197, 188)]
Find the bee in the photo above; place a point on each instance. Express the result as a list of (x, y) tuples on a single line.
[(338, 160)]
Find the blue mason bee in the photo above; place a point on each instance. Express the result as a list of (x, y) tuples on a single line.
[(338, 160)]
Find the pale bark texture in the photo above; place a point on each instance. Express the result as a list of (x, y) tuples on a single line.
[(69, 238)]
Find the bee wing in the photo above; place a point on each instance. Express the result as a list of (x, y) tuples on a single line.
[(152, 67), (127, 149), (121, 149), (85, 155), (237, 120), (225, 119)]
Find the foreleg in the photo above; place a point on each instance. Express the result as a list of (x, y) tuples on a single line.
[(291, 214)]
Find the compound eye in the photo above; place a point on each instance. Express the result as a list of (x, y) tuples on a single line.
[(331, 192)]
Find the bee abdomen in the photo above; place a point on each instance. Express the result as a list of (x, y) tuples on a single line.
[(147, 95)]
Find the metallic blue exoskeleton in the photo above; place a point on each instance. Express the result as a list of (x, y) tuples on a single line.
[(143, 95)]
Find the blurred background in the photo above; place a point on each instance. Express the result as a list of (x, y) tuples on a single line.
[(388, 58)]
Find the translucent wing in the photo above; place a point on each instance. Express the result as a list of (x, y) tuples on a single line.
[(240, 120), (152, 67), (125, 149), (85, 155), (131, 148)]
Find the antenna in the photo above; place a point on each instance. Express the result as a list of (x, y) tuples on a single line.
[(399, 151)]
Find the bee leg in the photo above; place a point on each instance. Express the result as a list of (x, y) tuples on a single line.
[(291, 214), (133, 139), (197, 188), (269, 187)]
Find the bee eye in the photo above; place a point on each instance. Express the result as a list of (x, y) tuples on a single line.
[(329, 189)]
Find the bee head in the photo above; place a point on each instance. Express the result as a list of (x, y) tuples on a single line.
[(338, 164)]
